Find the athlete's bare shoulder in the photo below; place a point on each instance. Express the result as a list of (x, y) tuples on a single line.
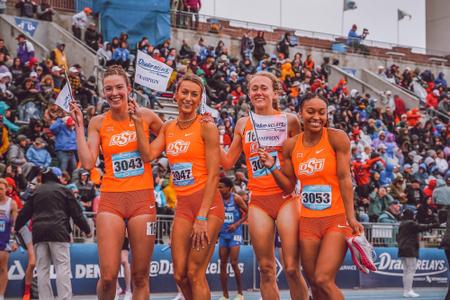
[(240, 125), (293, 124), (289, 145), (338, 139)]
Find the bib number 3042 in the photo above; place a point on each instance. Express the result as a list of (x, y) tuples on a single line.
[(316, 197), (127, 164)]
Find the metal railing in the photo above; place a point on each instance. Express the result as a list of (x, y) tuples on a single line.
[(378, 234)]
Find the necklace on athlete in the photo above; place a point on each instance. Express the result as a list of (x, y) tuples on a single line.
[(184, 124)]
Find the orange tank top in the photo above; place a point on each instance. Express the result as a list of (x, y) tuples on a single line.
[(185, 150), (124, 168), (315, 167), (260, 181)]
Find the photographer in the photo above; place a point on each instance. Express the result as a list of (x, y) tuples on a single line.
[(354, 40)]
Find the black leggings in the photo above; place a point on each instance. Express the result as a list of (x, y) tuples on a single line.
[(447, 254)]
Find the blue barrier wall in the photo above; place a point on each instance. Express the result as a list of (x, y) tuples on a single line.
[(431, 272)]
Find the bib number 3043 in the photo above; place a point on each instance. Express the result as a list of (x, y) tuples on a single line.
[(316, 197), (127, 164)]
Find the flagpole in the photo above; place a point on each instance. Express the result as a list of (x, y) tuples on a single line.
[(71, 96), (342, 17)]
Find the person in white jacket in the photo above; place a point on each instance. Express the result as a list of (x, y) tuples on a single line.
[(80, 21)]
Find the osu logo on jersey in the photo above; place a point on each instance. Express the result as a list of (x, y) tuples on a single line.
[(311, 166), (123, 138), (178, 147)]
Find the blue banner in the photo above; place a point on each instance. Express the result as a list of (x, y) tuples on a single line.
[(27, 25), (149, 18), (432, 271)]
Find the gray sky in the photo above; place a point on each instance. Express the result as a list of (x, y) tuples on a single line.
[(379, 16)]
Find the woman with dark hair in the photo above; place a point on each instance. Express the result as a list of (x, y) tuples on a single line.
[(320, 158), (408, 249)]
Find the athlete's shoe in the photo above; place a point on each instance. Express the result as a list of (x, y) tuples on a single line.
[(410, 294), (239, 297), (179, 296), (128, 295), (363, 254)]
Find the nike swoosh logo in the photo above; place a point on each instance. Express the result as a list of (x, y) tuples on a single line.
[(188, 134), (342, 226), (213, 207), (318, 151), (152, 206)]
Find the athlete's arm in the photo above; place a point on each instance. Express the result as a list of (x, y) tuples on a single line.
[(229, 158), (153, 120), (293, 125), (244, 208), (341, 145), (14, 213), (210, 135), (88, 150), (284, 177)]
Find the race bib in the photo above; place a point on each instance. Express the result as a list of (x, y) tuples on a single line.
[(127, 164), (237, 238), (258, 168), (2, 225), (229, 217), (182, 174), (316, 197)]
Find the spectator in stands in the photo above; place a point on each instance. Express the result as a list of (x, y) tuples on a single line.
[(185, 50), (193, 7), (400, 107), (58, 56), (80, 21), (91, 36), (44, 11), (440, 81), (27, 8), (16, 154), (309, 63), (37, 154), (259, 42), (284, 44), (398, 189), (442, 192), (4, 140), (121, 56), (432, 99), (444, 105), (51, 236), (379, 201), (25, 49), (4, 50), (104, 54), (247, 46), (86, 190), (391, 214), (65, 143), (355, 40)]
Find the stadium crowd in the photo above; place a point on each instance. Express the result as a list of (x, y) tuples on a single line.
[(399, 156)]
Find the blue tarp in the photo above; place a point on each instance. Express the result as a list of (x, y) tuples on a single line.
[(138, 18)]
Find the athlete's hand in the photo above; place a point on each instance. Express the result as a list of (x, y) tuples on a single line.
[(206, 117), (232, 227), (134, 110), (357, 227), (76, 113), (200, 237), (266, 158), (14, 246)]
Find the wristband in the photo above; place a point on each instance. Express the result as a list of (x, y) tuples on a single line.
[(273, 168), (202, 218)]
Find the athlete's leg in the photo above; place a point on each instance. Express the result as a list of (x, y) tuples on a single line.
[(234, 255), (181, 245), (3, 272), (331, 256), (198, 261), (110, 236), (29, 271), (126, 269), (142, 241), (309, 251), (287, 225), (262, 234), (224, 253)]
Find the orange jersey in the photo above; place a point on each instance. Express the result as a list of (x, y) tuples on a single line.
[(124, 168), (260, 181), (185, 150), (315, 167)]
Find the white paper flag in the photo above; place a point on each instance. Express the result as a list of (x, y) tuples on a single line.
[(271, 130), (152, 73), (64, 98)]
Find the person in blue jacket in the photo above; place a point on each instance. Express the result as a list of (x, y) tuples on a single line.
[(38, 155), (65, 143)]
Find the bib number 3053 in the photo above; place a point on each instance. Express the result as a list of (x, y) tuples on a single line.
[(127, 164), (316, 197)]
